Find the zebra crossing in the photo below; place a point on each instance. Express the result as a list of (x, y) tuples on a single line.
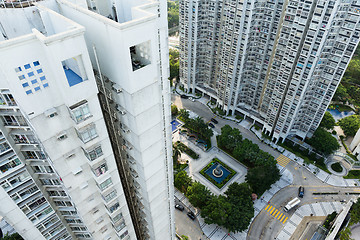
[(276, 213), (282, 160)]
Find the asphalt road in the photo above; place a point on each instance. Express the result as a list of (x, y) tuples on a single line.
[(264, 225)]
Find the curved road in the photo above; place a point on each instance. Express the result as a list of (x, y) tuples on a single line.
[(264, 225)]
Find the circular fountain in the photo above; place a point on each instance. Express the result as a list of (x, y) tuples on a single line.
[(218, 172)]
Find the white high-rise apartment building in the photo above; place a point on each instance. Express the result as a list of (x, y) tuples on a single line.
[(85, 135), (277, 62)]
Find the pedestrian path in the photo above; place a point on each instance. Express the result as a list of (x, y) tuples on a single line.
[(276, 213), (282, 160), (313, 209)]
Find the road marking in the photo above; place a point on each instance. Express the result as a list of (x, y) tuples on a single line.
[(285, 220), (280, 216), (272, 211), (277, 214), (267, 206), (282, 160), (270, 208)]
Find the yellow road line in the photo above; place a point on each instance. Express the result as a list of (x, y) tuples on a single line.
[(281, 215), (282, 218), (285, 219), (277, 214), (272, 210), (267, 206)]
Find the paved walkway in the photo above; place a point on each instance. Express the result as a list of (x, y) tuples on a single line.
[(314, 209)]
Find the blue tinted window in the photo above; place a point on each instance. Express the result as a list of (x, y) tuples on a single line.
[(25, 84), (42, 78), (46, 85), (37, 88), (18, 69), (28, 92), (36, 63), (30, 74), (21, 77), (33, 81), (27, 66), (39, 70)]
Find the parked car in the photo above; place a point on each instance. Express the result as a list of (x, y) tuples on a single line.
[(211, 125), (214, 120), (179, 207), (301, 191), (184, 96), (191, 215)]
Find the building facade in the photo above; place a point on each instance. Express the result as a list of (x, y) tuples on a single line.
[(85, 113), (277, 63)]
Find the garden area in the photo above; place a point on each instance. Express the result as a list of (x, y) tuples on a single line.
[(233, 210), (220, 182), (196, 127), (262, 169), (337, 167)]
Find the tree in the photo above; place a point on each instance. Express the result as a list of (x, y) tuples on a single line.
[(14, 236), (184, 115), (182, 181), (341, 93), (216, 211), (261, 177), (345, 234), (355, 213), (242, 209), (174, 110), (328, 121), (229, 138), (174, 63), (176, 154), (350, 124), (184, 237), (173, 14), (198, 195), (324, 142)]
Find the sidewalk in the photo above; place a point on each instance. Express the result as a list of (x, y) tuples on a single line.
[(314, 209)]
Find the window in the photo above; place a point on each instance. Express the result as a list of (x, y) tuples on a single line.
[(122, 236), (74, 70), (80, 111), (94, 153), (140, 55), (100, 170), (88, 133), (117, 218), (105, 184), (114, 207), (110, 196)]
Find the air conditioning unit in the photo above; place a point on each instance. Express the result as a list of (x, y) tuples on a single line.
[(117, 88)]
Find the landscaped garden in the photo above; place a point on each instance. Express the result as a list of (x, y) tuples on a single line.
[(262, 169), (353, 174), (196, 127), (337, 167), (233, 210), (219, 182)]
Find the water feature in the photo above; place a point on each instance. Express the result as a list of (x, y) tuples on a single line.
[(174, 125), (210, 172), (339, 115)]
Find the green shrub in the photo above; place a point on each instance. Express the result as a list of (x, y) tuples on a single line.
[(334, 132), (238, 117), (336, 167)]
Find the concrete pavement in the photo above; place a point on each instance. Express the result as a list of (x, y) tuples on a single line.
[(265, 225)]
